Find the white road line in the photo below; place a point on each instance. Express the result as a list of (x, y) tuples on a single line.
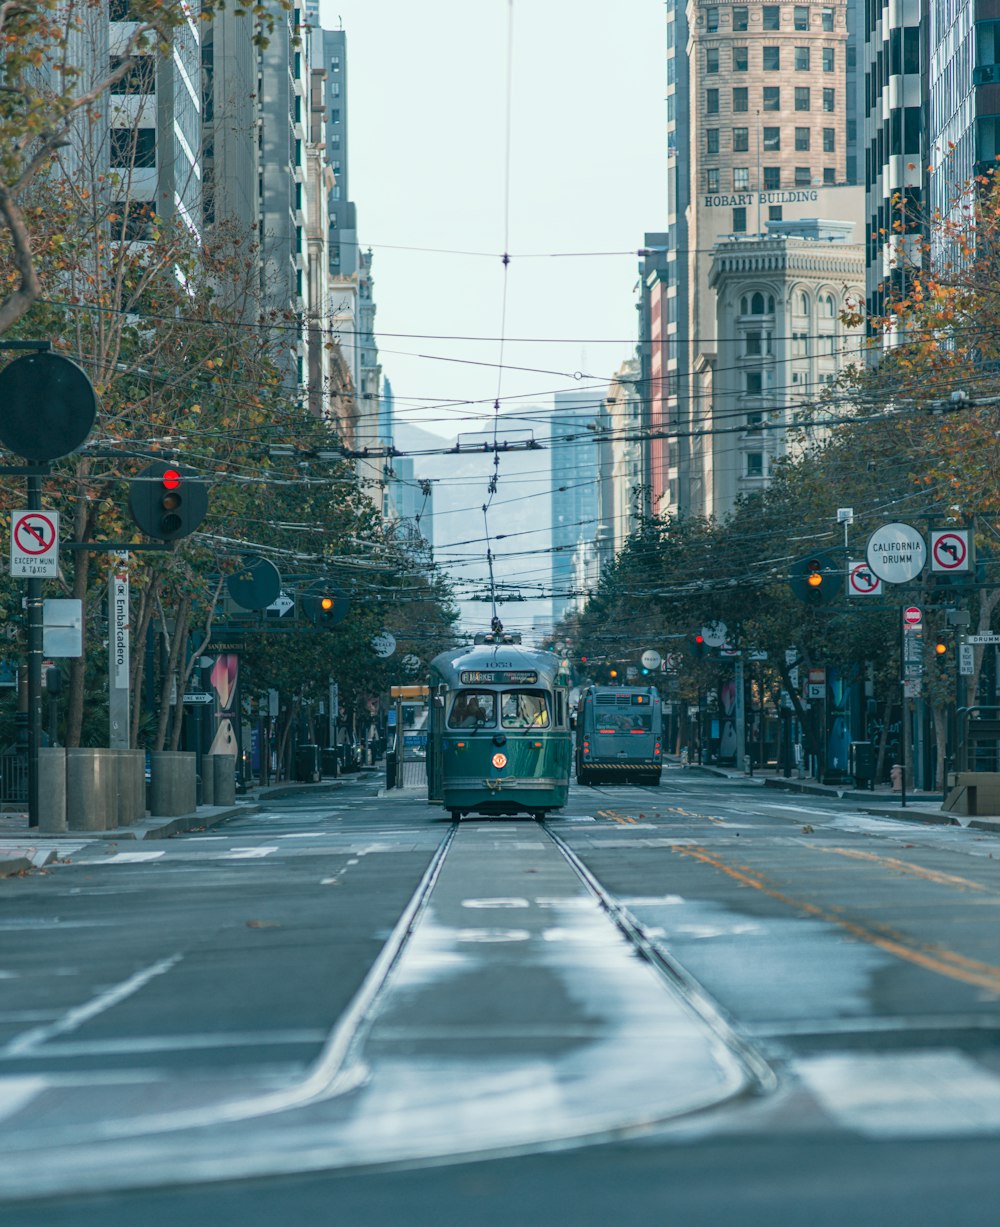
[(16, 1092), (247, 854), (74, 1018), (129, 858), (922, 1094)]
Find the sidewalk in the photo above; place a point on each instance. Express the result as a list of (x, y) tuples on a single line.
[(881, 801), (23, 847)]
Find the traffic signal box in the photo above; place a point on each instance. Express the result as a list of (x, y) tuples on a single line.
[(698, 646), (168, 501), (816, 580), (324, 605)]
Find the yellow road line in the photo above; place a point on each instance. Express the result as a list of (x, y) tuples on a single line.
[(932, 958), (905, 867)]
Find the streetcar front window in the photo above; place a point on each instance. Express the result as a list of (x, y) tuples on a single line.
[(524, 709), (473, 709)]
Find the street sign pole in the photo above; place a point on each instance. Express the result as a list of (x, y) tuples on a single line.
[(120, 733), (35, 625)]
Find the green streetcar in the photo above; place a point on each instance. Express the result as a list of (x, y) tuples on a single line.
[(499, 738)]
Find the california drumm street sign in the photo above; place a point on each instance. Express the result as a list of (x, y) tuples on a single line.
[(896, 553)]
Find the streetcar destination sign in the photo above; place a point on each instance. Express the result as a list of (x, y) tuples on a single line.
[(896, 553), (498, 677)]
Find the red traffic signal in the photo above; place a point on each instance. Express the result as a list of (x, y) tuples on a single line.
[(168, 501)]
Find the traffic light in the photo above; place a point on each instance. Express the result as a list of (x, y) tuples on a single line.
[(941, 648), (324, 604), (698, 645), (816, 580), (167, 500)]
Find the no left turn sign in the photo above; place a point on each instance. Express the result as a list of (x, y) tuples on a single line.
[(34, 544), (950, 551), (862, 580)]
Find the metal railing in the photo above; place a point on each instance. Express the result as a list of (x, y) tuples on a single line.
[(13, 778)]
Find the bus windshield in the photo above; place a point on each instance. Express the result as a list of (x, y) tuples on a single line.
[(524, 709), (473, 709)]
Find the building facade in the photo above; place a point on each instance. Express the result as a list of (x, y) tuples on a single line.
[(782, 345), (770, 128)]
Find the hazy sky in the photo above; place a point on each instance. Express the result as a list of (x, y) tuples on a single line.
[(427, 101)]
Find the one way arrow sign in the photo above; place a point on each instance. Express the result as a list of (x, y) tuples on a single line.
[(283, 605)]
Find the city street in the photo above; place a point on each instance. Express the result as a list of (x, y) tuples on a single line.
[(709, 1002)]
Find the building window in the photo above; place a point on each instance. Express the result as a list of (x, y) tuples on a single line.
[(911, 49), (758, 344), (741, 140), (712, 59), (755, 464), (802, 17), (712, 102), (803, 304), (741, 59), (739, 221), (741, 18), (803, 99), (829, 99), (829, 174), (118, 10), (741, 178), (712, 180), (772, 17), (772, 59), (803, 176), (741, 98), (802, 59), (828, 59), (802, 139), (829, 140), (827, 19), (335, 115), (712, 20), (133, 147), (772, 139), (136, 220), (772, 178), (755, 383), (772, 98), (775, 213), (139, 79), (712, 136), (830, 311)]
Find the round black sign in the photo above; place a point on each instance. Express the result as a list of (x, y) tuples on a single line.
[(256, 584), (47, 407)]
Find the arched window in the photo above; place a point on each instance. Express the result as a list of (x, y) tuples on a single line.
[(757, 304), (803, 304), (829, 306), (744, 306), (770, 304)]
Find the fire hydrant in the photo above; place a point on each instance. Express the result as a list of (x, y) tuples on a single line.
[(896, 775)]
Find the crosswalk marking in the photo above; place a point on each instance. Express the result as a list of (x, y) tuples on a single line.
[(916, 1094)]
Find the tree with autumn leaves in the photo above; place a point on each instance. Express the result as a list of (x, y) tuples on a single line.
[(169, 331)]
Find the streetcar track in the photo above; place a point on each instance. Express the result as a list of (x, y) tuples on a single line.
[(760, 1075), (336, 1071)]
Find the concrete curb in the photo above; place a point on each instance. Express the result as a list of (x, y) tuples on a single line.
[(11, 866)]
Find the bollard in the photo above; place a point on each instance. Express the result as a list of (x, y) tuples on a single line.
[(896, 775), (173, 790), (88, 790), (52, 789), (224, 778)]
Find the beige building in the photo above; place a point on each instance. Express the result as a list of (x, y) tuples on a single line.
[(767, 140), (781, 345)]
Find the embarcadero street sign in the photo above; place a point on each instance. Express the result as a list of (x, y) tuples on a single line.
[(896, 553)]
